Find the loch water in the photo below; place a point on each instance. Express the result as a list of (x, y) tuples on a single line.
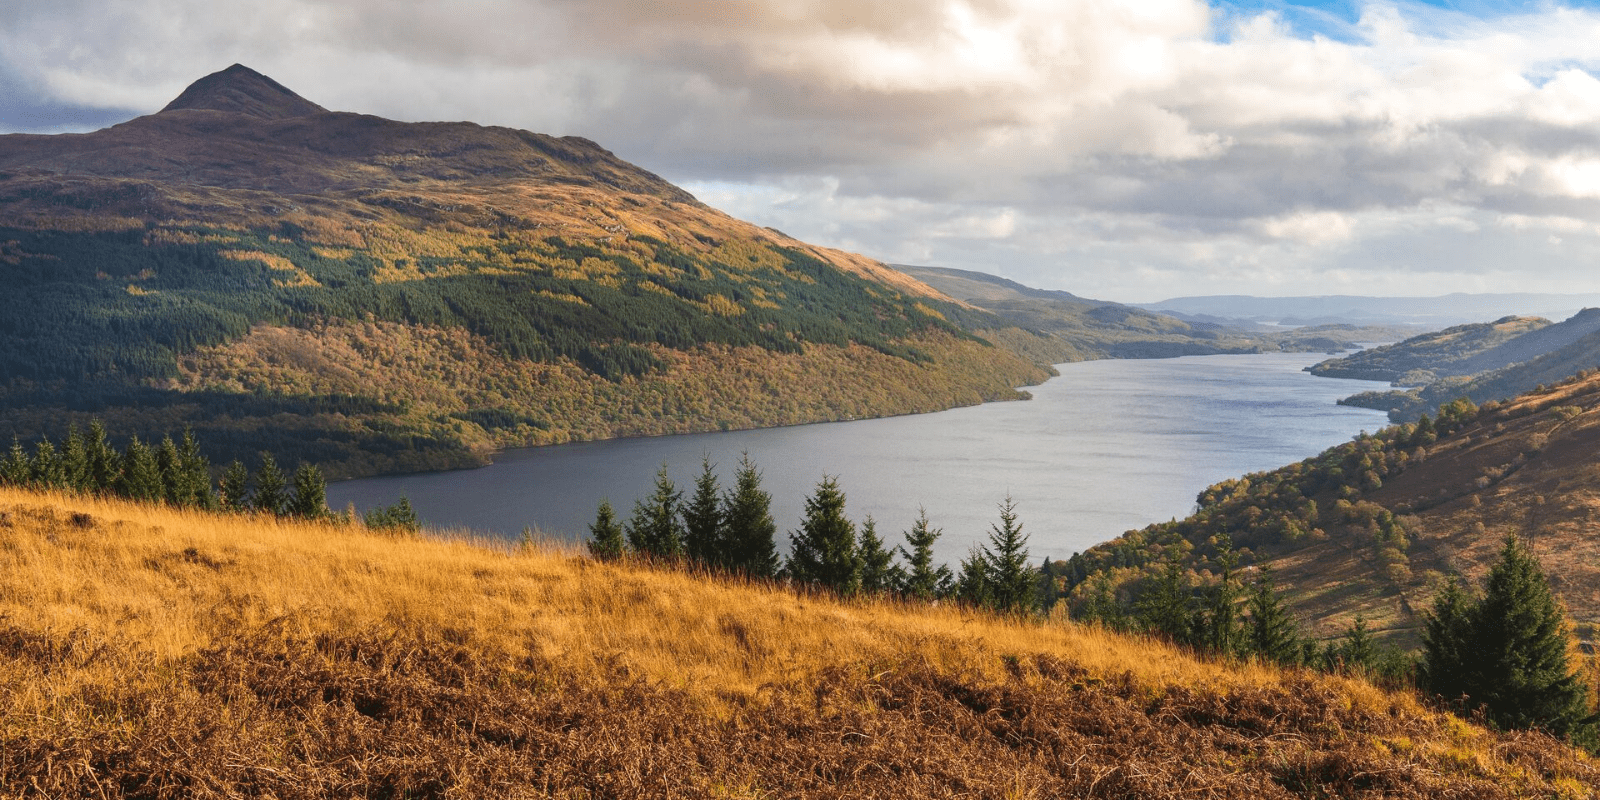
[(1105, 447)]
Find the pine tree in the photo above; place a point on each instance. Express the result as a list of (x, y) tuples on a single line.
[(1166, 606), (879, 573), (1013, 586), (105, 464), (921, 579), (1100, 604), (398, 517), (48, 471), (1270, 632), (194, 474), (654, 531), (1518, 670), (75, 461), (702, 520), (750, 536), (310, 499), (1359, 651), (972, 584), (140, 477), (234, 491), (1447, 643), (823, 551), (605, 535), (270, 494), (170, 464), (1221, 628), (16, 469)]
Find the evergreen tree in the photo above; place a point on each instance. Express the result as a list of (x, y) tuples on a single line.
[(170, 464), (1270, 632), (140, 477), (310, 499), (702, 520), (16, 469), (1518, 669), (1446, 643), (234, 491), (921, 579), (605, 535), (1100, 604), (398, 517), (75, 461), (1221, 628), (879, 573), (270, 494), (654, 530), (1359, 651), (1165, 607), (1013, 587), (972, 580), (194, 474), (823, 551), (48, 471), (749, 536), (105, 465)]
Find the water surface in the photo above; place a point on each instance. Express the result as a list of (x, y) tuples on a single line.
[(1106, 447)]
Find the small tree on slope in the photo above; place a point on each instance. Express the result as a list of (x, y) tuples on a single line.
[(823, 551)]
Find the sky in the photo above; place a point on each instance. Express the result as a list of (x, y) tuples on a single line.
[(1129, 150)]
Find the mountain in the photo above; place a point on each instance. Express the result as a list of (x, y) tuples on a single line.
[(1373, 527), (1431, 312), (1080, 328), (374, 295), (1482, 362), (155, 653)]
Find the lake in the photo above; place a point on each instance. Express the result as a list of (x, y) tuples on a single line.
[(1106, 447)]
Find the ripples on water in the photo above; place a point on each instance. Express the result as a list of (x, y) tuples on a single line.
[(1108, 446)]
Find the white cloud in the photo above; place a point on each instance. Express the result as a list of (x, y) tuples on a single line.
[(1092, 145)]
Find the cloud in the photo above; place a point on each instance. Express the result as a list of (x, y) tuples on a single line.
[(1094, 145)]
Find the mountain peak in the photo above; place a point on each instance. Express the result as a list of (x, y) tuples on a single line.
[(241, 90)]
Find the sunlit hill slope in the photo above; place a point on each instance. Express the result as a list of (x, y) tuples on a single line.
[(382, 295), (1373, 527), (152, 653)]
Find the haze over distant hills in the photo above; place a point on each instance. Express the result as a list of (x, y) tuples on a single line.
[(1431, 312)]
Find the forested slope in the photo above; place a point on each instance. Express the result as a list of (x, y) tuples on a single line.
[(376, 295), (1375, 526)]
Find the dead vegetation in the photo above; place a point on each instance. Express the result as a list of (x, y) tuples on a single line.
[(148, 653)]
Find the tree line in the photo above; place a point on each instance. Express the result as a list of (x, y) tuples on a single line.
[(733, 532), (1505, 654), (177, 474)]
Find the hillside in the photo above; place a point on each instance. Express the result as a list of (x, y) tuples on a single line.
[(1432, 312), (1521, 364), (1374, 526), (153, 653), (1081, 328), (1459, 350), (378, 296)]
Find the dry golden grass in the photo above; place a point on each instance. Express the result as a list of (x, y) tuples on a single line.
[(137, 642)]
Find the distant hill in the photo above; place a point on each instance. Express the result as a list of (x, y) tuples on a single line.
[(1372, 527), (1431, 312), (380, 296), (1084, 328), (1483, 362), (1459, 350)]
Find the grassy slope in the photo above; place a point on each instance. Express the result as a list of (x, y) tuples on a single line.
[(1391, 518), (150, 653)]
